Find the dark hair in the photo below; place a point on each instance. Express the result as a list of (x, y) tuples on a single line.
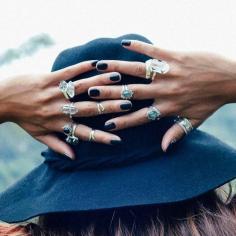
[(202, 216)]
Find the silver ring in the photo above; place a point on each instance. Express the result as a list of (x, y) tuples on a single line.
[(155, 66), (100, 108), (69, 109), (68, 89), (185, 124), (126, 93), (69, 131), (153, 113), (92, 136)]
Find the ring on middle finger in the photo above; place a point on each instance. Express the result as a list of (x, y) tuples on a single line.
[(70, 109), (126, 93)]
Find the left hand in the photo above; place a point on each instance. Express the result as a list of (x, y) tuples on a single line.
[(196, 85)]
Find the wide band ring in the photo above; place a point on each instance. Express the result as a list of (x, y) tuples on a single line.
[(67, 88), (185, 124), (100, 108), (92, 136), (153, 113), (126, 93), (69, 109), (155, 66)]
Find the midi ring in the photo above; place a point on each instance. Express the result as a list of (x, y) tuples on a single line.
[(92, 136), (68, 89), (69, 109), (185, 124), (126, 93), (155, 66), (69, 131), (153, 113), (100, 108)]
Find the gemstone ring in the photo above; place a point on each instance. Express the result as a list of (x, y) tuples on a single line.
[(126, 93), (153, 113), (67, 88)]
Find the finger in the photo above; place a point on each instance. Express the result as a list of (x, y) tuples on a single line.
[(83, 132), (137, 69), (140, 91), (134, 119), (57, 145), (175, 133), (87, 109), (146, 49), (82, 85), (70, 71)]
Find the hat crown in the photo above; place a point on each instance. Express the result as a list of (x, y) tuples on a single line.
[(137, 141)]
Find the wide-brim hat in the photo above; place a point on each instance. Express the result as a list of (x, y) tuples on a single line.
[(134, 173)]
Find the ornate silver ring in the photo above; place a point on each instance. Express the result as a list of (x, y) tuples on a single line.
[(126, 93), (67, 88)]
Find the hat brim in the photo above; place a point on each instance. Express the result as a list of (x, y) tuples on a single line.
[(175, 176)]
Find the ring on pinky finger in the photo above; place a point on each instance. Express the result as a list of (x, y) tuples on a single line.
[(185, 124), (153, 113)]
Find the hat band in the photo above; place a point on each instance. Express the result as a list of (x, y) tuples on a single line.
[(60, 162)]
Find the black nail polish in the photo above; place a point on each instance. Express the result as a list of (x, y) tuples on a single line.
[(116, 142), (125, 42), (94, 92), (101, 66), (126, 106), (94, 63), (115, 78), (109, 126)]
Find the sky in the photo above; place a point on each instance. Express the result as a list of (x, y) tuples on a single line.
[(205, 25)]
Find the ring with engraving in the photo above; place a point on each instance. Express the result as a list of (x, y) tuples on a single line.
[(185, 124)]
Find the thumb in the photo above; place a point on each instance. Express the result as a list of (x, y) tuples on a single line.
[(175, 133), (57, 145)]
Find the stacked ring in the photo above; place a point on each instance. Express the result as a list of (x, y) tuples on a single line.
[(69, 131), (185, 124), (100, 108)]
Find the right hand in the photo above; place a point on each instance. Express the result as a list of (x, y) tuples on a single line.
[(34, 103)]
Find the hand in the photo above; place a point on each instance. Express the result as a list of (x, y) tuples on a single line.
[(34, 102), (196, 85)]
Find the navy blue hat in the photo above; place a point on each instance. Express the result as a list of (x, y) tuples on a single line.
[(134, 173)]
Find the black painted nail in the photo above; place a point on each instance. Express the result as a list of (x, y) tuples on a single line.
[(109, 126), (171, 145), (126, 106), (125, 42), (115, 78), (101, 66), (94, 92), (116, 142), (94, 63)]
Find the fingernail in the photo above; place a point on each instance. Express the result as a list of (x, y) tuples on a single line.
[(116, 142), (125, 42), (101, 66), (94, 63), (171, 144), (69, 156), (94, 92), (115, 77), (126, 106), (109, 126)]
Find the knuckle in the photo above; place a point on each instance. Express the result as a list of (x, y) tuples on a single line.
[(139, 70)]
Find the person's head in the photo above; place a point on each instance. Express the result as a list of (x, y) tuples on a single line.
[(205, 215)]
